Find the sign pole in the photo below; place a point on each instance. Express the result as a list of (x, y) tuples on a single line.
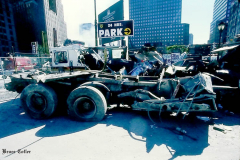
[(96, 42), (2, 71)]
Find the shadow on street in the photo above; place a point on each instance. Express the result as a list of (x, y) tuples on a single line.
[(137, 124)]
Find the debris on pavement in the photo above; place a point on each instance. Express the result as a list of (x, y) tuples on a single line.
[(181, 130), (222, 128), (220, 106), (227, 128), (227, 112), (205, 119), (153, 126)]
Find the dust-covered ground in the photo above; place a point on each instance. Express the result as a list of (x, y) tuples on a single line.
[(123, 134), (4, 94)]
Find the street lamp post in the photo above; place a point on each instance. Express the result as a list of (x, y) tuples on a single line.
[(221, 27)]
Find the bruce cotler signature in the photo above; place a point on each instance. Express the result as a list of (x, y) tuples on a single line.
[(19, 151)]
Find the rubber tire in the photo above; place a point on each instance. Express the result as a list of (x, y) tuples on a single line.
[(45, 91), (101, 87), (91, 93)]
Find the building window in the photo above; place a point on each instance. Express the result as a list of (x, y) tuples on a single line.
[(61, 57), (8, 14), (53, 5)]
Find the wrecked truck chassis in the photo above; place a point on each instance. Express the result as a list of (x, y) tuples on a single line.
[(140, 93)]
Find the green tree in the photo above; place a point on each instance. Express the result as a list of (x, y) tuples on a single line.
[(40, 50), (177, 48), (67, 42), (42, 53), (45, 43)]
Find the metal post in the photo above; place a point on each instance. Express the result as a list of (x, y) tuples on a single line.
[(14, 60), (121, 41), (96, 41), (122, 38), (219, 39), (43, 45), (2, 72), (12, 50), (236, 18), (71, 67)]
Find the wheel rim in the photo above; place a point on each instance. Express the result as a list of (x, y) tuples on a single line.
[(85, 107), (38, 103)]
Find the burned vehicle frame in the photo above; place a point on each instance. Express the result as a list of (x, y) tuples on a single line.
[(88, 93), (223, 65)]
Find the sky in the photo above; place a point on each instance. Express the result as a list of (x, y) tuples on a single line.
[(198, 13)]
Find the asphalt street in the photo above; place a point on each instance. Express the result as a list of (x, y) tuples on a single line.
[(123, 134), (4, 94)]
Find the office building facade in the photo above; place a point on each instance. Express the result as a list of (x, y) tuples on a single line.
[(39, 21), (190, 38), (56, 26), (234, 21), (221, 13), (8, 41), (158, 21)]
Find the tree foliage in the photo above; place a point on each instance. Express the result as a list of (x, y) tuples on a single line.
[(40, 49), (177, 48), (67, 42)]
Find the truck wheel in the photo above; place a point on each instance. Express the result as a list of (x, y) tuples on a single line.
[(101, 87), (39, 101), (86, 103)]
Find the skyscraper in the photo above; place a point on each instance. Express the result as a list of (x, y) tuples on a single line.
[(8, 40), (158, 21), (56, 27), (190, 38), (234, 20), (221, 13), (39, 21)]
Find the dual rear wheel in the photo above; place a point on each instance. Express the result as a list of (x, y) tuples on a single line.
[(85, 103), (39, 101)]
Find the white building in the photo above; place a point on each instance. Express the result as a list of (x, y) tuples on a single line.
[(55, 24), (39, 21)]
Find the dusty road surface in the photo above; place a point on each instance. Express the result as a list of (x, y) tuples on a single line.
[(123, 134), (4, 94)]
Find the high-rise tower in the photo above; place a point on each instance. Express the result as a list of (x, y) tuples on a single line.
[(159, 22), (221, 13), (39, 20), (8, 41)]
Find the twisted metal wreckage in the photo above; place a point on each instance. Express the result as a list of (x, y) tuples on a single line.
[(88, 93)]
